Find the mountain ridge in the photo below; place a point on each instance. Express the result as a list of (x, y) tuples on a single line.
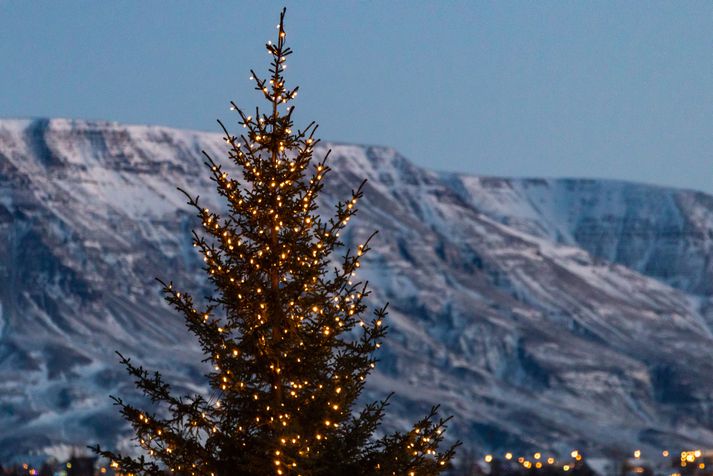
[(214, 131), (543, 313)]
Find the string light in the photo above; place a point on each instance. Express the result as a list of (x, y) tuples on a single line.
[(279, 335)]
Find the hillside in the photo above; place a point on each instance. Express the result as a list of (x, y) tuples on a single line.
[(544, 314)]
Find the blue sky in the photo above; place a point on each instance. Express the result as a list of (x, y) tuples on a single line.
[(592, 89)]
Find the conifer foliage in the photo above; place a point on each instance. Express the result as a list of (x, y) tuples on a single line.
[(285, 333)]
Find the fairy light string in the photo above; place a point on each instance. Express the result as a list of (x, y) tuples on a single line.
[(285, 334)]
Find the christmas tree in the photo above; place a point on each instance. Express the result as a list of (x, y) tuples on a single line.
[(285, 332)]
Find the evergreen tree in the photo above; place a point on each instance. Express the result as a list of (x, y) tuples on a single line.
[(285, 333)]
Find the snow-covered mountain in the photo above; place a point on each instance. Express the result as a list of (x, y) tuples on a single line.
[(541, 313)]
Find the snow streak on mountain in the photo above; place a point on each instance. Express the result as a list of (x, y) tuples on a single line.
[(541, 313)]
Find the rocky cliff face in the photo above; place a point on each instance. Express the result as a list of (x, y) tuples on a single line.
[(541, 313)]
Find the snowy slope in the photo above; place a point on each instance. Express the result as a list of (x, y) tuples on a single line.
[(542, 313)]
